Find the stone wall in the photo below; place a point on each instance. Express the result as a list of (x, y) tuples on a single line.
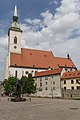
[(75, 94)]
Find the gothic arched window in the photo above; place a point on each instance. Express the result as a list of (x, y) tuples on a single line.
[(15, 40)]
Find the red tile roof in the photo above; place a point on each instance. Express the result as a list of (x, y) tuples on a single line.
[(64, 62), (69, 75), (48, 72), (33, 58)]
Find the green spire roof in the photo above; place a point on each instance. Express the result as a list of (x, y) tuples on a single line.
[(15, 17), (15, 11), (15, 25)]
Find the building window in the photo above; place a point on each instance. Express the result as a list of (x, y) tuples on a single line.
[(46, 83), (64, 88), (15, 40), (32, 71), (65, 69), (46, 88), (53, 82), (16, 73), (53, 88), (40, 84), (76, 81), (40, 79), (72, 82), (72, 88), (46, 78), (22, 73), (40, 89), (71, 69), (52, 76), (64, 81), (26, 72), (78, 87)]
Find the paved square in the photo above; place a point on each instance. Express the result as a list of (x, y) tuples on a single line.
[(40, 109)]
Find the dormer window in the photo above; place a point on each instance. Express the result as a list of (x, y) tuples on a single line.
[(15, 40)]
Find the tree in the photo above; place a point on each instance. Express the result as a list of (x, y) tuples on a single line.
[(27, 85), (9, 85)]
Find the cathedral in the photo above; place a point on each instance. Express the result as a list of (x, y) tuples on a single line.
[(54, 76), (22, 61)]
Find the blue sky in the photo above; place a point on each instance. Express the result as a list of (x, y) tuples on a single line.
[(52, 25), (26, 9)]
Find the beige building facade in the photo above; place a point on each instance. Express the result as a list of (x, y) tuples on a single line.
[(48, 83), (70, 83)]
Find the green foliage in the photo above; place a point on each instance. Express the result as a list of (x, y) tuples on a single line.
[(27, 85), (9, 85)]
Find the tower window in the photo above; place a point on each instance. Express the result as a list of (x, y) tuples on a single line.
[(15, 40)]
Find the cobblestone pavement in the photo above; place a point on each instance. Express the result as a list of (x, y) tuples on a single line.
[(40, 109)]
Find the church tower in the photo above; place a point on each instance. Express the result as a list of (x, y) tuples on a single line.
[(14, 35)]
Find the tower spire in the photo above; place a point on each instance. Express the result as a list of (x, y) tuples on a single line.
[(15, 17), (15, 11), (15, 25)]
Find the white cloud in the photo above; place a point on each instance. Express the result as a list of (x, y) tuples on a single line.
[(53, 2)]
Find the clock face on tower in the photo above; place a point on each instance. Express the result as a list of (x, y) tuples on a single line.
[(15, 47)]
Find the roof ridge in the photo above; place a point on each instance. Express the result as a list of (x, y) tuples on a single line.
[(36, 49), (62, 57)]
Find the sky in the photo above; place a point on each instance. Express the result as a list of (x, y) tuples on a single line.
[(52, 25)]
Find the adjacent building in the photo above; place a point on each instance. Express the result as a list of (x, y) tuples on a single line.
[(70, 83), (48, 83)]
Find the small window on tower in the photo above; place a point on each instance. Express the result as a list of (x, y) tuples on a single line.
[(15, 40)]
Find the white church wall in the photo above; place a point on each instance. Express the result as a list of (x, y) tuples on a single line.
[(11, 40), (22, 71)]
